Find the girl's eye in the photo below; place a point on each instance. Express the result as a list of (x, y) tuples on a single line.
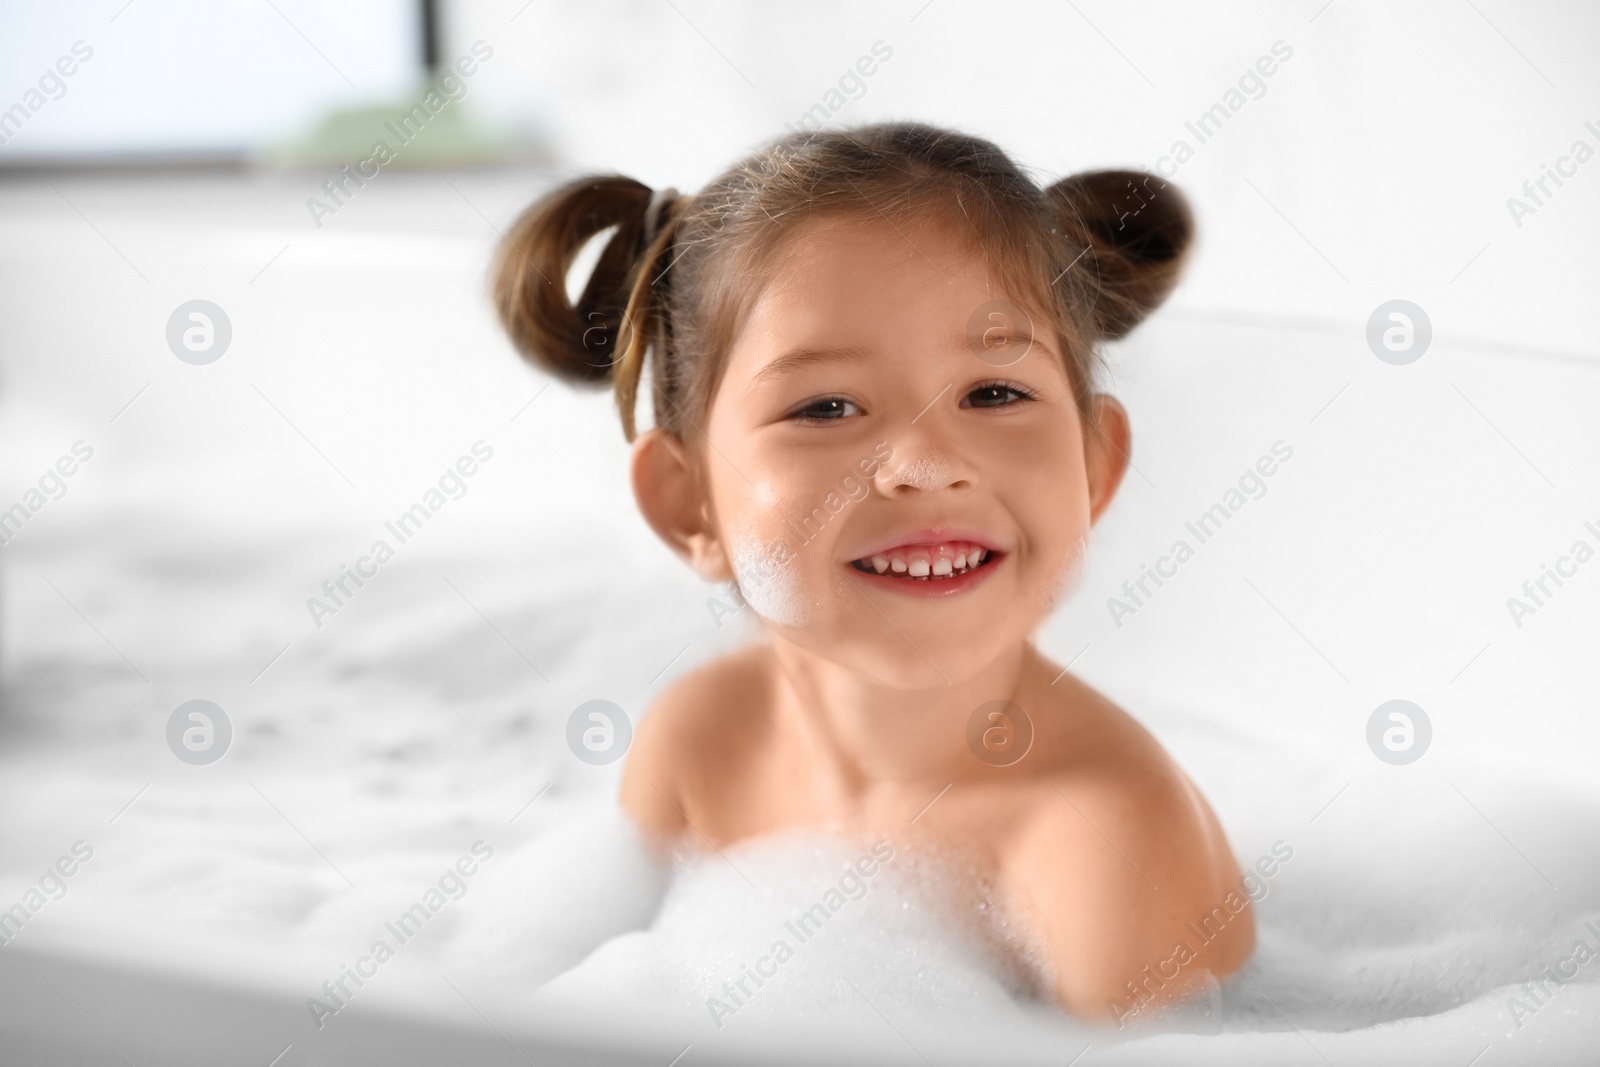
[(826, 409), (997, 395)]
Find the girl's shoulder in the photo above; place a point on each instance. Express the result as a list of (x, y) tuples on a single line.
[(693, 734), (1115, 782), (1122, 859)]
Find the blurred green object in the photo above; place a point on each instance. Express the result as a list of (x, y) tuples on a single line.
[(450, 136)]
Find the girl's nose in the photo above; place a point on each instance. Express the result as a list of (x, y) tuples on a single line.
[(919, 465)]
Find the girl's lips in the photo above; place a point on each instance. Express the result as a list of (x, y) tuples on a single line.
[(930, 536), (942, 569)]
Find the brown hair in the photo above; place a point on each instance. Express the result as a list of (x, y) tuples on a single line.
[(1094, 253)]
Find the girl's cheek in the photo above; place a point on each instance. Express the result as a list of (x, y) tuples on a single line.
[(766, 496), (768, 577), (768, 559), (767, 507), (1069, 572)]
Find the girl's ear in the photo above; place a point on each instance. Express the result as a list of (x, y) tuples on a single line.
[(673, 500), (1107, 453)]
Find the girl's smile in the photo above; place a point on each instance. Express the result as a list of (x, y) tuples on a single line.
[(929, 563)]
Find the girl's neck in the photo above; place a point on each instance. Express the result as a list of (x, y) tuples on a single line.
[(868, 734)]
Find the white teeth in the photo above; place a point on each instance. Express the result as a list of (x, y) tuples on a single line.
[(925, 563)]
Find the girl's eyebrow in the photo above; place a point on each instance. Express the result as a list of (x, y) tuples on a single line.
[(800, 358), (977, 344)]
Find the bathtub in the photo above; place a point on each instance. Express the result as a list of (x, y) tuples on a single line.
[(1420, 919)]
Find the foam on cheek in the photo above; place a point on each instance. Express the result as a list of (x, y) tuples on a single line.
[(768, 580)]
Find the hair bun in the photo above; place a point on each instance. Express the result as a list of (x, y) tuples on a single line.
[(578, 341), (1138, 230)]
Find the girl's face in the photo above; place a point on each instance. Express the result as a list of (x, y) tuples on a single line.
[(896, 468)]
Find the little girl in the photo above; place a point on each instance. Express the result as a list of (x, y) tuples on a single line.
[(871, 356)]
